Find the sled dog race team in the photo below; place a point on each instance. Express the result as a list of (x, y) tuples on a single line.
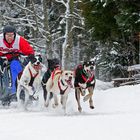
[(22, 76)]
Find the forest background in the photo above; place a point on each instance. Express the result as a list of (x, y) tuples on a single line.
[(74, 31)]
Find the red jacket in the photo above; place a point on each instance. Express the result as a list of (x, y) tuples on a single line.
[(18, 45)]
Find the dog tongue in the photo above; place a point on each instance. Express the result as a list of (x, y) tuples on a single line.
[(90, 73), (69, 83), (37, 67)]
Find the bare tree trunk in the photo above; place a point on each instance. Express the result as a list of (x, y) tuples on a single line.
[(67, 45), (49, 51), (69, 49), (35, 17)]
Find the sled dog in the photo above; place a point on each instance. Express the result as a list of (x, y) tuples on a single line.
[(60, 83), (52, 64), (84, 80), (29, 81)]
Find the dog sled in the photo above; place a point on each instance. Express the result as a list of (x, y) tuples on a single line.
[(5, 76)]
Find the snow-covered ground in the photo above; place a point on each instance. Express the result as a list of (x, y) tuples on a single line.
[(116, 117)]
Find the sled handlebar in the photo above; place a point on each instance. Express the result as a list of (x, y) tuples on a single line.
[(13, 53)]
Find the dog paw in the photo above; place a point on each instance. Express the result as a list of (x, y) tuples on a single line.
[(54, 105), (93, 82), (92, 107), (82, 85), (46, 104), (79, 109), (36, 97)]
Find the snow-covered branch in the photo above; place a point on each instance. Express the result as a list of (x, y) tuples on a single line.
[(76, 27), (60, 38), (61, 1), (23, 8)]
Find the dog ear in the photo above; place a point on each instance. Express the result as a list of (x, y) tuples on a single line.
[(31, 56)]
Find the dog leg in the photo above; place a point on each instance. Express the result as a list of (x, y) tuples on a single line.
[(17, 94), (47, 99), (77, 95), (55, 101), (82, 91), (19, 101), (44, 92), (26, 102), (64, 102), (48, 89), (90, 89), (91, 103), (88, 96), (61, 100)]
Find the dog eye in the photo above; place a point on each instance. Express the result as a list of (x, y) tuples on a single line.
[(40, 59), (66, 74), (92, 63)]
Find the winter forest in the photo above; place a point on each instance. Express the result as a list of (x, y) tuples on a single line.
[(78, 30)]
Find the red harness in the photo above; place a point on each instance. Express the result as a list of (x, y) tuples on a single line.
[(53, 73), (88, 79), (32, 77), (32, 74)]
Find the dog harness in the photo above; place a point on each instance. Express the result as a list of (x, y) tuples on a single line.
[(62, 91), (86, 78), (32, 78), (55, 73)]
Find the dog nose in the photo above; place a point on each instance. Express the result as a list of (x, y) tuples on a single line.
[(38, 63), (70, 78), (91, 68)]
